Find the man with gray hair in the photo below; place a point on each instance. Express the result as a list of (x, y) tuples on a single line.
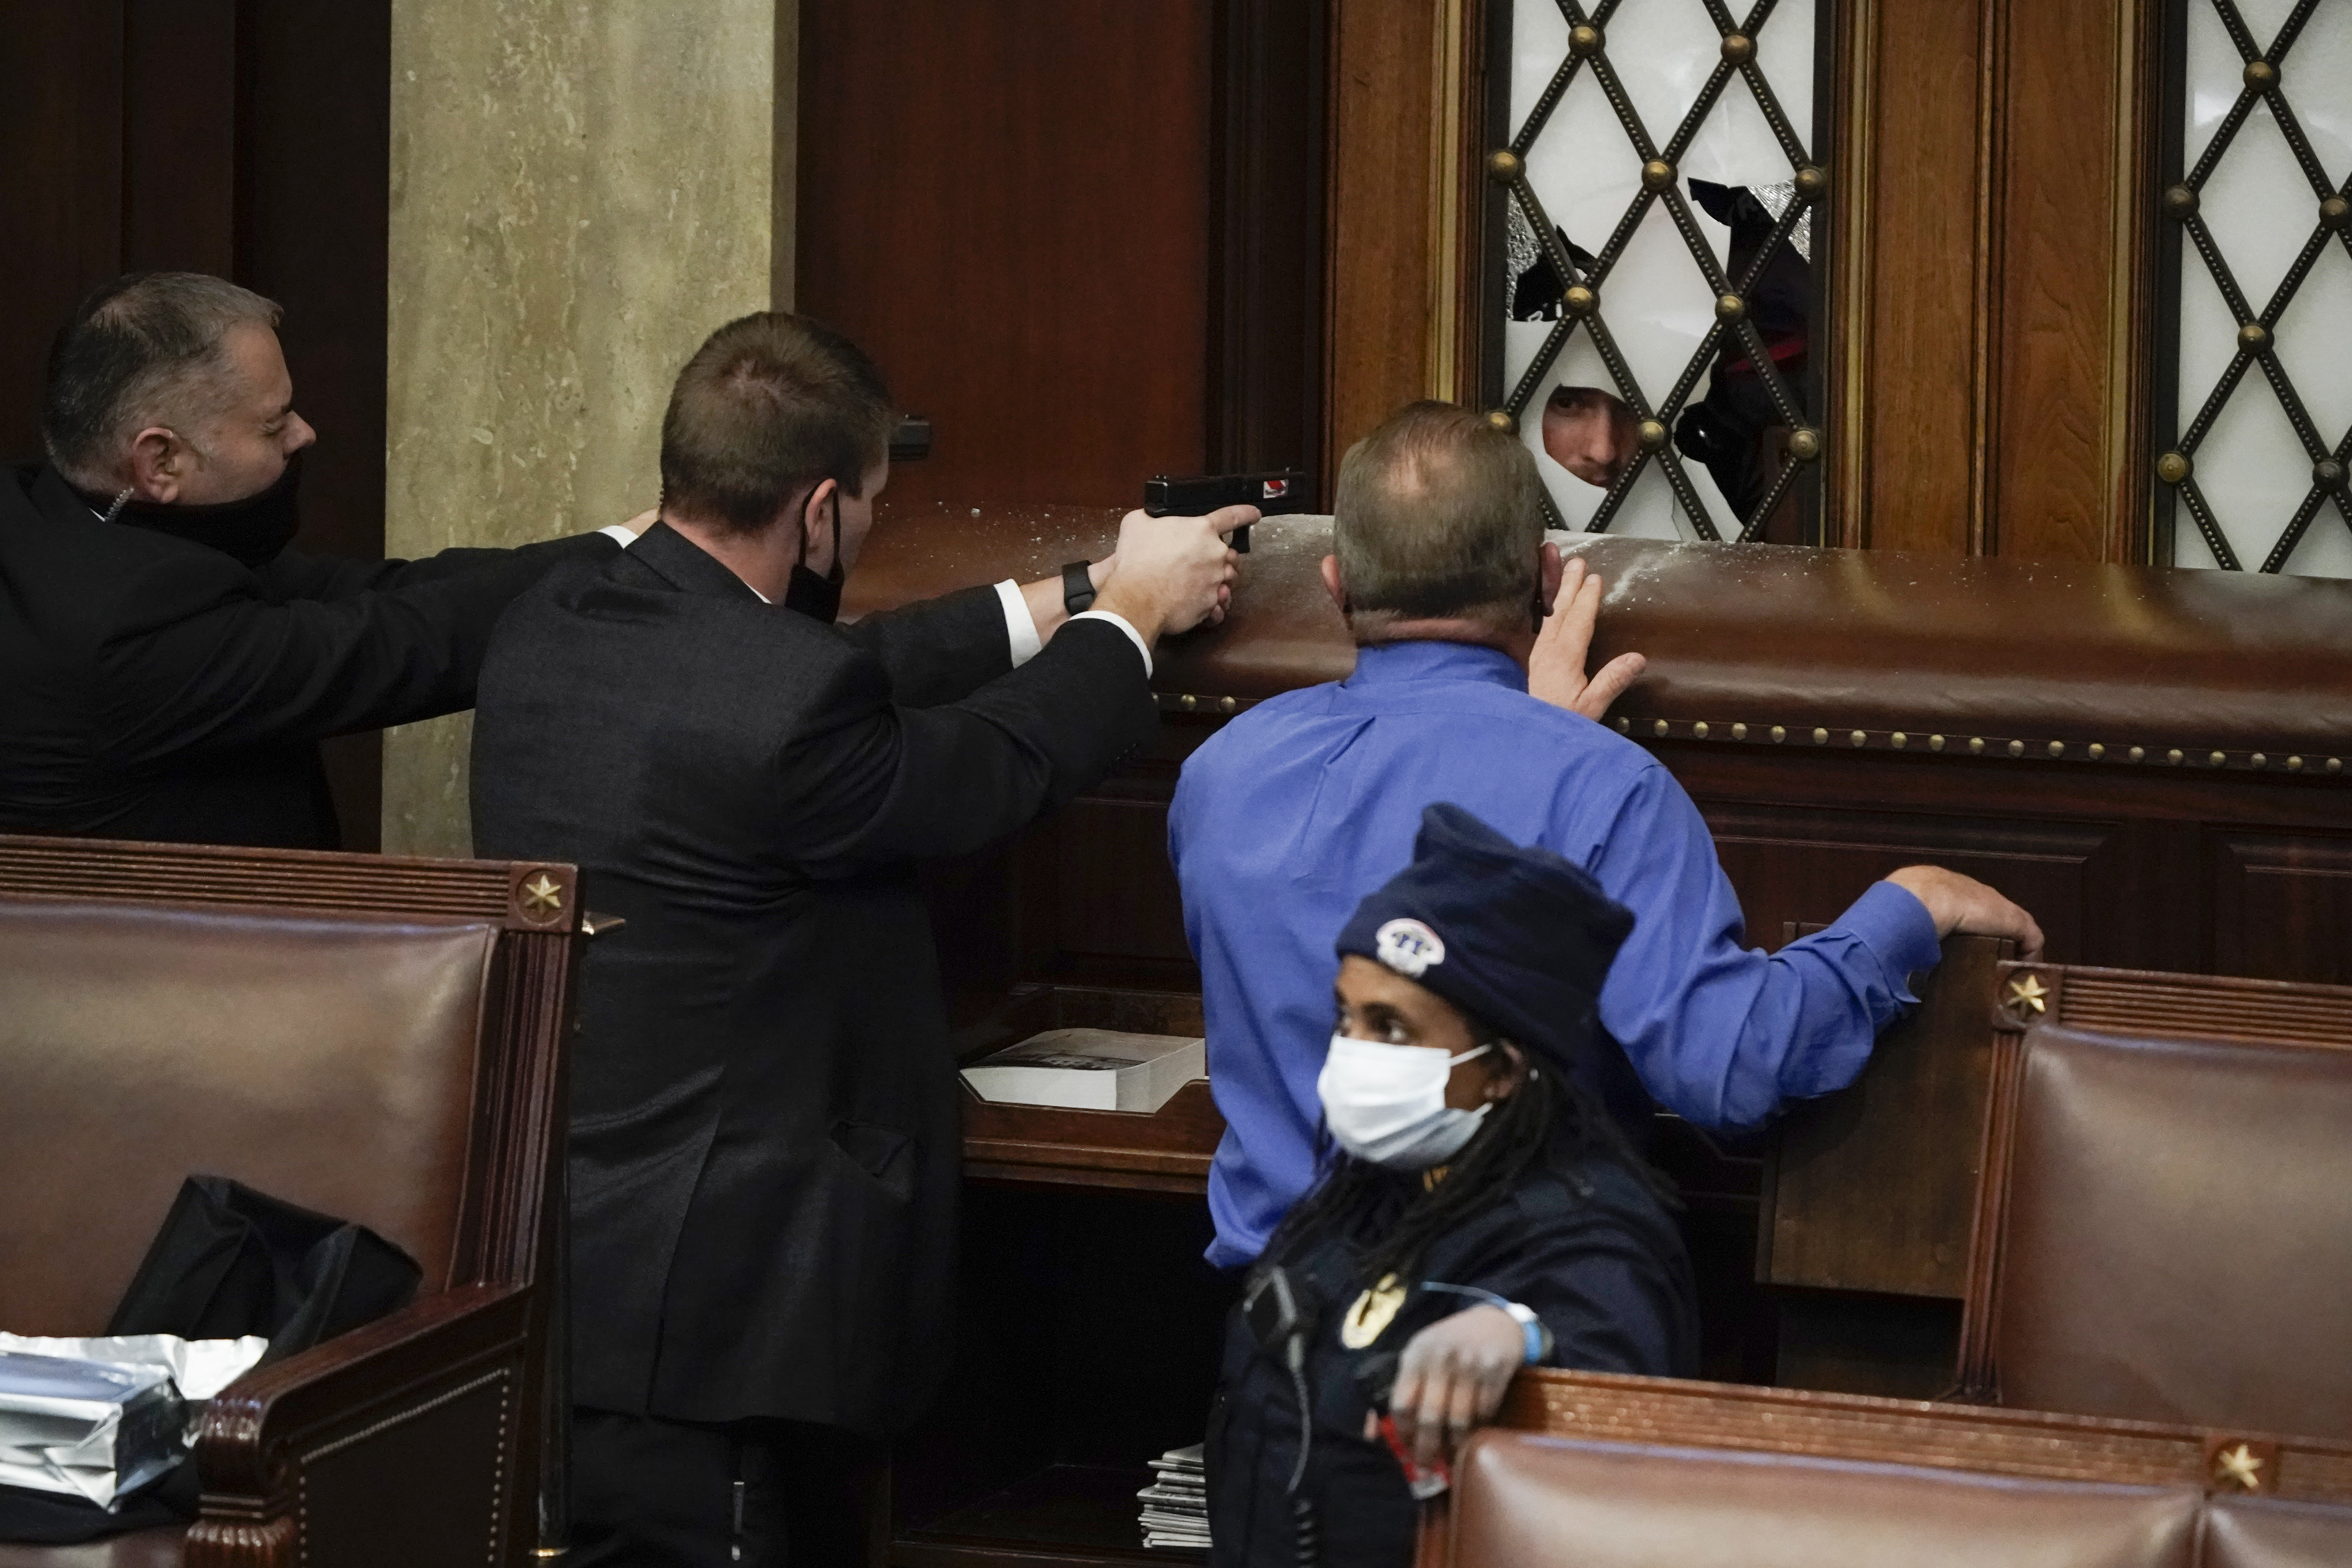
[(1470, 688), (172, 666)]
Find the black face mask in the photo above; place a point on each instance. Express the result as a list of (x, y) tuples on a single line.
[(809, 593), (254, 531)]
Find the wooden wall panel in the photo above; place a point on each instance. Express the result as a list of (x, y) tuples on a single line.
[(2280, 904), (1008, 206)]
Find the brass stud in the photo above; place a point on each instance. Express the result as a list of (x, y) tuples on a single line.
[(2181, 204), (2174, 467), (1820, 737), (1698, 731), (543, 892), (1898, 740), (2260, 75), (1579, 300), (2138, 753), (2238, 1468), (1805, 444), (2173, 757), (1934, 743), (1659, 728), (2294, 764), (1730, 308), (1652, 433), (1738, 49), (1585, 40), (2327, 474), (1739, 732), (1858, 738), (2257, 761), (1504, 165), (2335, 764), (1500, 419), (2057, 748), (2097, 751), (1188, 702), (1624, 726), (2217, 759), (1780, 734), (1226, 705), (1657, 174), (2254, 338), (2017, 748), (2334, 211), (2028, 997), (1975, 745), (1812, 180)]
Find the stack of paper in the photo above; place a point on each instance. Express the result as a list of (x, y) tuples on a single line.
[(1089, 1070), (1176, 1503)]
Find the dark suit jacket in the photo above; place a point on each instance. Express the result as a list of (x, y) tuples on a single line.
[(151, 688), (764, 1137)]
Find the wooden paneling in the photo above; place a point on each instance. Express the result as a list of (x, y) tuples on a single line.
[(1385, 164), (1008, 206), (2280, 905)]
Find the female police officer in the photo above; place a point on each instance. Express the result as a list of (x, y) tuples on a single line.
[(1479, 1212)]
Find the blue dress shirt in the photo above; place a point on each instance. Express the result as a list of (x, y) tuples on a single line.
[(1300, 807)]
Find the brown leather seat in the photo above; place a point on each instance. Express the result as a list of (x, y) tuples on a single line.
[(2264, 1533), (373, 1039), (2171, 1231), (1532, 1501)]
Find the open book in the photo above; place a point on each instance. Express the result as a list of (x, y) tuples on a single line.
[(1089, 1070)]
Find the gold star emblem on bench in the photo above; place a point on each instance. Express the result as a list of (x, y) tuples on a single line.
[(2028, 997), (541, 892), (2238, 1468)]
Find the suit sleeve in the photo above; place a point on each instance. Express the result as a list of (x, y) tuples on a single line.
[(871, 784), (938, 650), (199, 669), (295, 576)]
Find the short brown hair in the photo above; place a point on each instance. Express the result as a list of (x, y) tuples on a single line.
[(769, 407), (1439, 513), (143, 350)]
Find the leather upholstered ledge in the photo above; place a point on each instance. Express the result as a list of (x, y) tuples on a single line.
[(1937, 650)]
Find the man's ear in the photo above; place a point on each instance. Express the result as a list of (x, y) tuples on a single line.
[(1549, 567), (158, 463), (816, 527), (1332, 585)]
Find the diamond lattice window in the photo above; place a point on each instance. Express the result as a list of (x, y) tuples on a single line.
[(1659, 256), (2258, 433)]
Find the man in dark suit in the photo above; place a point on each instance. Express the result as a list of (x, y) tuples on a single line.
[(169, 666), (764, 1141)]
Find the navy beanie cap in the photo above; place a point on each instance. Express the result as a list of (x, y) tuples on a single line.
[(1514, 935)]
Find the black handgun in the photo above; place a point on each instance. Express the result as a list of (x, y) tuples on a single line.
[(1273, 495)]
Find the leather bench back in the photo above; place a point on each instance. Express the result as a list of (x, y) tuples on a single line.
[(1533, 1502), (2265, 1532), (326, 1059), (2178, 1237)]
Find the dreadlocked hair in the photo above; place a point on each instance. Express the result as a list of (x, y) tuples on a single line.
[(1388, 1219)]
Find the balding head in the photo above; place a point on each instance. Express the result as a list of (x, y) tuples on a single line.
[(1439, 517), (151, 348)]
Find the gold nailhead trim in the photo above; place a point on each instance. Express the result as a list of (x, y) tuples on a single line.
[(2173, 756), (1820, 737), (2017, 748), (2294, 764), (1934, 743), (1739, 732), (1188, 702), (2218, 758), (1898, 740), (1659, 728), (2257, 761), (1226, 704), (1780, 734), (1698, 731), (2335, 764), (2138, 753), (1975, 745), (2097, 751), (1859, 739), (2057, 748), (1624, 726)]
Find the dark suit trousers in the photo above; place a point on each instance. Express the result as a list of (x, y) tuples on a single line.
[(763, 1494)]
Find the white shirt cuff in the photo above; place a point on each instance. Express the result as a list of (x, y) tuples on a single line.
[(621, 535), (1120, 622), (1019, 625)]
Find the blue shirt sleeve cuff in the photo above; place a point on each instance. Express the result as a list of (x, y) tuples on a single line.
[(1895, 926)]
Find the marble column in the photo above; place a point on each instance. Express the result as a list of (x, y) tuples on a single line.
[(580, 191)]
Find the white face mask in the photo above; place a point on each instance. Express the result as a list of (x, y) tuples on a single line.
[(1387, 1103)]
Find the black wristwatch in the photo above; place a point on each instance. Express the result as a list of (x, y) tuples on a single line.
[(1077, 586)]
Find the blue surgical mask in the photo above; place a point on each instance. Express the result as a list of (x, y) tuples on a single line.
[(1387, 1103)]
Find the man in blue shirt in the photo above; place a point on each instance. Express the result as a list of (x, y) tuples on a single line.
[(1300, 807)]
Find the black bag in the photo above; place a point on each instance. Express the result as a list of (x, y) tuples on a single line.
[(228, 1262)]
